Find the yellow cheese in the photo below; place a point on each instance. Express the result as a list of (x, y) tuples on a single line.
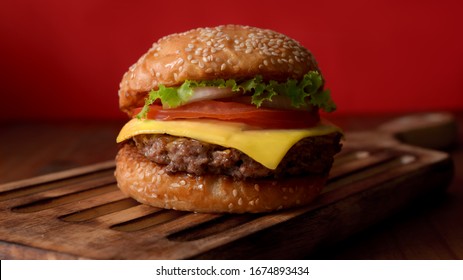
[(266, 146)]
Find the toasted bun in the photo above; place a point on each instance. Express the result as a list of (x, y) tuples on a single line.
[(148, 183), (225, 52)]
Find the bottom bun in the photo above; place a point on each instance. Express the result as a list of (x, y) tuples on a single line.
[(148, 183)]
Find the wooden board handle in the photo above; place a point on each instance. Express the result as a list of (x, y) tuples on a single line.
[(430, 130)]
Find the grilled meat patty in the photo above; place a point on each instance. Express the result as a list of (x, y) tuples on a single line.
[(180, 154)]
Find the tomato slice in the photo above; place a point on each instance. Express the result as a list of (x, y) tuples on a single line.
[(236, 112)]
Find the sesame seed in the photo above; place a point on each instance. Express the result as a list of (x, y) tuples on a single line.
[(189, 57), (191, 46), (223, 66), (230, 206), (251, 202), (235, 192), (201, 65), (158, 75), (265, 62), (240, 201), (194, 61), (248, 51), (256, 187), (188, 49), (209, 70)]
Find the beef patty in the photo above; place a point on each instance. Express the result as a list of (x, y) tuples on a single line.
[(179, 154)]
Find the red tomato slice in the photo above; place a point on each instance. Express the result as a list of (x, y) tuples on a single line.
[(236, 112)]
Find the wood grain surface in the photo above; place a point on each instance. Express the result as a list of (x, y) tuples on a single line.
[(426, 229)]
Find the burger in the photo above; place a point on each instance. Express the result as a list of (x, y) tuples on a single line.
[(225, 119)]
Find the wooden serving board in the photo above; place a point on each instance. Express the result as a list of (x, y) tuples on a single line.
[(80, 213)]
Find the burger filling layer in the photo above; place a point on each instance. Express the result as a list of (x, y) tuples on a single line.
[(311, 155)]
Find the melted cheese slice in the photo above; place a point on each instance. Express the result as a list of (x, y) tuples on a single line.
[(267, 147)]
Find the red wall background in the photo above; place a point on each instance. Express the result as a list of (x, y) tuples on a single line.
[(64, 59)]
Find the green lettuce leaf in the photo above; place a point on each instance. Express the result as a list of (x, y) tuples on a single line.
[(308, 90)]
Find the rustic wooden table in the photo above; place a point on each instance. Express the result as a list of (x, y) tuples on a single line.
[(434, 231)]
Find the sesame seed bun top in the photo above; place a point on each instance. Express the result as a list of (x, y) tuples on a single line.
[(226, 52)]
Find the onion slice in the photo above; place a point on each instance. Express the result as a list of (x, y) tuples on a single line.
[(226, 94), (278, 102), (210, 93)]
